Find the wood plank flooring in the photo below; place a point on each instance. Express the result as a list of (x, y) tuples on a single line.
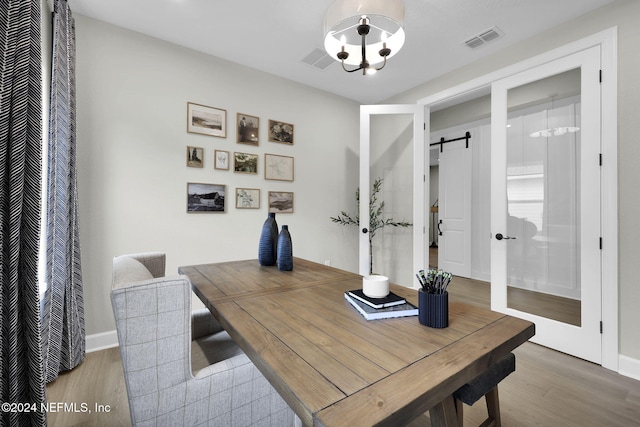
[(550, 306), (548, 389), (98, 380), (565, 310)]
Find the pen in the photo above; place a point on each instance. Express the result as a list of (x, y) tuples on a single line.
[(423, 284), (435, 281)]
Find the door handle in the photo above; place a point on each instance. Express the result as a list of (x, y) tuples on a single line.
[(499, 236), (439, 230)]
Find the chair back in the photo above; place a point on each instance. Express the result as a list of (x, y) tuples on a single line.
[(153, 320)]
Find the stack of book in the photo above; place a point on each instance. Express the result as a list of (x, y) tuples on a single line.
[(380, 308)]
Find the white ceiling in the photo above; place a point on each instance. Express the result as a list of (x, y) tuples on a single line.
[(275, 35)]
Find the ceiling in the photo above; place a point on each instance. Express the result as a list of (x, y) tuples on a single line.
[(275, 36)]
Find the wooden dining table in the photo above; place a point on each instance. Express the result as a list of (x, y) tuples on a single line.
[(333, 367)]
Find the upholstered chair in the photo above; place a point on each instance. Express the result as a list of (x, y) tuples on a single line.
[(154, 323)]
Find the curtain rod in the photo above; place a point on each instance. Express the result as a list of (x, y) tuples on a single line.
[(442, 141)]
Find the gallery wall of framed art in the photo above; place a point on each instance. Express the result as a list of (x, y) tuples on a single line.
[(240, 151)]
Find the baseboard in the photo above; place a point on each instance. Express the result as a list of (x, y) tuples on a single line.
[(101, 341), (629, 367)]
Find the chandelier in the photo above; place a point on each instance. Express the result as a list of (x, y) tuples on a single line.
[(362, 34)]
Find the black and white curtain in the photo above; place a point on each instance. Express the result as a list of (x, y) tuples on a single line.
[(63, 331), (22, 376)]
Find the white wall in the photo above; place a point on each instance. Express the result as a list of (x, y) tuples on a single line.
[(132, 94), (625, 14)]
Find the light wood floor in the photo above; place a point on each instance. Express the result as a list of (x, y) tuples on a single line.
[(548, 389), (550, 306), (98, 380)]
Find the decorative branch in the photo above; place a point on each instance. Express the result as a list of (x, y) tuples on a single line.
[(376, 220)]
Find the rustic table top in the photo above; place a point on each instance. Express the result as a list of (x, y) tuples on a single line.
[(332, 366)]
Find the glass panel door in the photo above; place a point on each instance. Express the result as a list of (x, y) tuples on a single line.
[(546, 201)]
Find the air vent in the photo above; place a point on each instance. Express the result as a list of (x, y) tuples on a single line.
[(319, 59), (484, 37)]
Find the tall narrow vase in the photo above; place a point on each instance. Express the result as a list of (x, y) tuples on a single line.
[(267, 249), (285, 250)]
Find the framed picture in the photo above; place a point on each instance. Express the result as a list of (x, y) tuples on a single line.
[(247, 198), (206, 120), (280, 202), (248, 129), (280, 132), (195, 157), (221, 160), (279, 168), (245, 163), (205, 197)]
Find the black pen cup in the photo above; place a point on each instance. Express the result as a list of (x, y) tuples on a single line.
[(433, 309)]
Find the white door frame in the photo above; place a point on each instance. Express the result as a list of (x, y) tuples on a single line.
[(420, 182), (607, 40)]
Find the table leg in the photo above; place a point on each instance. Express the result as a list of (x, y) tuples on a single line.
[(444, 414)]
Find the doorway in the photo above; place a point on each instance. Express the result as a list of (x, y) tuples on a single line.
[(392, 149), (464, 210), (607, 309), (453, 229)]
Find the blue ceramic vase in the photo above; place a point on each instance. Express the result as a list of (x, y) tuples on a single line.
[(285, 250), (267, 249)]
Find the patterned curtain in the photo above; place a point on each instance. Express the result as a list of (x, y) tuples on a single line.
[(63, 314), (22, 378)]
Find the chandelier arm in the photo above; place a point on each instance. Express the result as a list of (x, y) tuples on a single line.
[(350, 71), (383, 64)]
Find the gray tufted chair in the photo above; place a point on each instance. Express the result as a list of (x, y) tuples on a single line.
[(154, 324)]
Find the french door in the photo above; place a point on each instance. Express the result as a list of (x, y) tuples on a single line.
[(545, 201)]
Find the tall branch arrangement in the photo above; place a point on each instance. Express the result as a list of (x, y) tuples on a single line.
[(376, 220)]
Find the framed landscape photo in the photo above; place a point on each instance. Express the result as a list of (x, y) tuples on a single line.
[(280, 201), (247, 198), (221, 160), (279, 168), (245, 163), (195, 157), (280, 132), (248, 129), (206, 120), (205, 197)]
